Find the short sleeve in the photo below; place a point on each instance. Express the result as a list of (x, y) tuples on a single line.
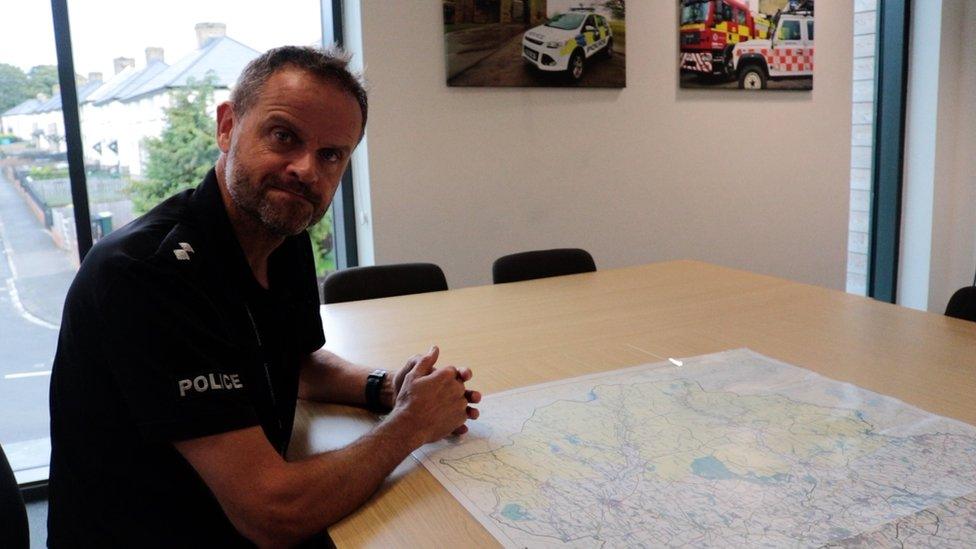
[(172, 355)]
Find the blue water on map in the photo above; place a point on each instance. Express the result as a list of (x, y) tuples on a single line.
[(514, 511), (711, 468)]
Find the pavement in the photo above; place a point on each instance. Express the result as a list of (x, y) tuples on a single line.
[(34, 278)]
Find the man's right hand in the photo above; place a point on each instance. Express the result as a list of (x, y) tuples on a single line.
[(433, 401)]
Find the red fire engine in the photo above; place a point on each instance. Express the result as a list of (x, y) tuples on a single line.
[(711, 28)]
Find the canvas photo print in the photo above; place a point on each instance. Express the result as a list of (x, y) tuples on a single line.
[(578, 43), (746, 44)]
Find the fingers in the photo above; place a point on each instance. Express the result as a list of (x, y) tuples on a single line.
[(473, 397), (464, 374), (460, 430), (425, 365), (472, 413)]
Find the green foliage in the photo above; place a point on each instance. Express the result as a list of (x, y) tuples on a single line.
[(13, 87), (47, 172), (186, 150), (17, 87), (42, 79), (323, 245), (617, 7)]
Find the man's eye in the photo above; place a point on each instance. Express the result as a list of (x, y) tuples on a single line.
[(331, 155), (283, 136)]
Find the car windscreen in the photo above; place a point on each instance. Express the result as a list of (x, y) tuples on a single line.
[(566, 21), (695, 12)]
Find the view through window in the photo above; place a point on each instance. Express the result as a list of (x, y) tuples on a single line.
[(148, 82)]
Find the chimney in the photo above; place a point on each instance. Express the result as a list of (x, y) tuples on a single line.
[(153, 54), (122, 62), (94, 77), (206, 31)]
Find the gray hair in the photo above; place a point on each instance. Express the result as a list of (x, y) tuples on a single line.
[(330, 65)]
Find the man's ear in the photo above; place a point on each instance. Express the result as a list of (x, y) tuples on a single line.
[(225, 125)]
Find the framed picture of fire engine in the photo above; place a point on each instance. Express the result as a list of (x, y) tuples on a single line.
[(536, 43), (746, 44)]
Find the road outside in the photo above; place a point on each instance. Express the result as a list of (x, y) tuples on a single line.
[(34, 278)]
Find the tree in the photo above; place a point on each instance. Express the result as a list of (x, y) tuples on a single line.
[(14, 87), (42, 79), (181, 156), (617, 7)]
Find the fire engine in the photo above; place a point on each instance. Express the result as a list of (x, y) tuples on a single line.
[(711, 28), (788, 54)]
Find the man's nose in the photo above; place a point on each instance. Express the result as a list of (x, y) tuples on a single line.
[(303, 167)]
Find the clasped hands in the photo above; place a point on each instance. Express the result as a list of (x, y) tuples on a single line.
[(434, 400)]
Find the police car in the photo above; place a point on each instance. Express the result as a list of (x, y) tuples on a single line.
[(566, 41)]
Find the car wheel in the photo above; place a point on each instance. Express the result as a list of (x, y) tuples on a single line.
[(752, 78), (575, 68), (608, 51)]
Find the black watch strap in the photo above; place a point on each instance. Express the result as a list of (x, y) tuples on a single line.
[(374, 384)]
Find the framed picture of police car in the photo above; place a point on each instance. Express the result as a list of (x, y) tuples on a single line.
[(531, 43), (746, 44)]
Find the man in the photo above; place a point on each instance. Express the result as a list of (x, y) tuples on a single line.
[(188, 334)]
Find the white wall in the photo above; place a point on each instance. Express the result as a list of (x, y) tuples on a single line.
[(460, 176), (954, 226), (939, 207)]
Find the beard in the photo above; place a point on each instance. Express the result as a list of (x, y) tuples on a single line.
[(280, 219)]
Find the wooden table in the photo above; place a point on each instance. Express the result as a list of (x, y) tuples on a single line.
[(513, 335)]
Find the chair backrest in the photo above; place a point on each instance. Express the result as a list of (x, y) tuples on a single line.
[(14, 531), (358, 283), (541, 264), (962, 304)]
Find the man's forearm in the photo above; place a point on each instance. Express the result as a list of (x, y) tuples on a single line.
[(344, 479), (282, 503), (327, 377)]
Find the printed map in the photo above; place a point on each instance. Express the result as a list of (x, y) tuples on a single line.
[(728, 450)]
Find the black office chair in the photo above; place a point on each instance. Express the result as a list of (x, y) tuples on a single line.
[(541, 264), (14, 531), (962, 304), (359, 283)]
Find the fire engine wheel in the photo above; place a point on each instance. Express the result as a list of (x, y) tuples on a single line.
[(575, 69), (608, 51), (752, 78)]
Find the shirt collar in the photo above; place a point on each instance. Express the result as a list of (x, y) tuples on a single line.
[(210, 214)]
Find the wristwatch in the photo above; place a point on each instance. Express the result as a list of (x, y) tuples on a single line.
[(374, 384)]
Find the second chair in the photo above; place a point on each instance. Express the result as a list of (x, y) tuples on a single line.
[(541, 264), (359, 283)]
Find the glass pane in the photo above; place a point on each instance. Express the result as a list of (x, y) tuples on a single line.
[(37, 236), (149, 105)]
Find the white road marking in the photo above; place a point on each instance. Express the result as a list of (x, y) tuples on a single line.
[(12, 288), (27, 374)]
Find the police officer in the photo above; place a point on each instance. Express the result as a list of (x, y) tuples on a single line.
[(189, 334)]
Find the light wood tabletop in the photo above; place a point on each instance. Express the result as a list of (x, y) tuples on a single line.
[(514, 335)]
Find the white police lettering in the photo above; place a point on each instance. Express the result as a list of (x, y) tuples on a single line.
[(210, 382)]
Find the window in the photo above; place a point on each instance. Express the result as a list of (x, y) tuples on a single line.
[(36, 233), (810, 30), (146, 98), (740, 17), (789, 30)]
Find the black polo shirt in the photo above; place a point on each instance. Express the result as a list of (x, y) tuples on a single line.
[(167, 336)]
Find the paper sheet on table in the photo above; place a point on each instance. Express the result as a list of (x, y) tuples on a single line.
[(729, 449)]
